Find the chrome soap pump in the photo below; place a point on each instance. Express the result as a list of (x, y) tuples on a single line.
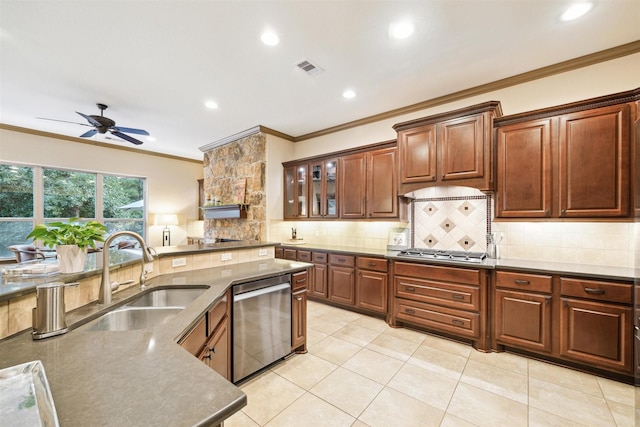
[(48, 315)]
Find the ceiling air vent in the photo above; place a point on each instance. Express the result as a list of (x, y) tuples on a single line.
[(308, 67)]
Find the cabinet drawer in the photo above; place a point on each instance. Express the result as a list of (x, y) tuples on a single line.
[(217, 313), (195, 339), (448, 294), (290, 254), (304, 256), (375, 264), (299, 281), (343, 260), (444, 319), (319, 257), (596, 290), (523, 282), (467, 276)]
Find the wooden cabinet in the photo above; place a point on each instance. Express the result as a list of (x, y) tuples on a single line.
[(371, 284), (299, 284), (452, 300), (209, 340), (296, 191), (636, 162), (453, 148), (524, 170), (572, 161), (523, 315), (342, 279), (594, 162), (323, 189), (319, 284), (369, 185)]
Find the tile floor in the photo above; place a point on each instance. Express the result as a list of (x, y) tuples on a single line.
[(360, 372)]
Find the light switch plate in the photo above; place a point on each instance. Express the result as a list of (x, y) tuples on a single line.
[(178, 262), (226, 256), (262, 252)]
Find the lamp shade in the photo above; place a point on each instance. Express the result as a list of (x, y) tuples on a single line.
[(166, 219)]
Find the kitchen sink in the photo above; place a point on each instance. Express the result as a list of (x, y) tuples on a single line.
[(131, 318), (173, 297)]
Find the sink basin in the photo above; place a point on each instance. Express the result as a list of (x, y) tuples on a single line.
[(174, 297), (131, 318)]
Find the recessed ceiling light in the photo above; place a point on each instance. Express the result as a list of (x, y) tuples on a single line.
[(212, 105), (270, 38), (576, 10), (348, 94), (150, 138), (401, 29)]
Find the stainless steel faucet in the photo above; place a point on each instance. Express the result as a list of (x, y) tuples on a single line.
[(104, 296)]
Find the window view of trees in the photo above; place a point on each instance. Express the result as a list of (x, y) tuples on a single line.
[(66, 194)]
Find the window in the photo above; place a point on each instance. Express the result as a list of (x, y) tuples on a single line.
[(30, 195)]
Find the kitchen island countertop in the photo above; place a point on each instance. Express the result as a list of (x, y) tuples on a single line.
[(140, 377)]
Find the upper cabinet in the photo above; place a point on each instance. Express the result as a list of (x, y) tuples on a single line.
[(448, 149), (353, 184), (571, 161), (295, 191)]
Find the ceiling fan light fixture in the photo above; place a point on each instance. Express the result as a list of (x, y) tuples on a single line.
[(576, 10)]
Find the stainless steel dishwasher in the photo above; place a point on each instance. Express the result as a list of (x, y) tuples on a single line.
[(261, 324)]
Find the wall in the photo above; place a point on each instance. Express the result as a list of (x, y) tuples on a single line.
[(598, 243), (171, 183)]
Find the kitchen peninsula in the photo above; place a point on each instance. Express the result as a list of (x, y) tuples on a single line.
[(143, 377)]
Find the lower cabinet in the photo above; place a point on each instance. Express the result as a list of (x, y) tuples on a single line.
[(342, 279), (210, 341), (299, 284), (371, 284), (319, 285)]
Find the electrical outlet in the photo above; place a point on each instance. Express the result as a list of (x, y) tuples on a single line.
[(178, 262), (226, 256), (262, 252)]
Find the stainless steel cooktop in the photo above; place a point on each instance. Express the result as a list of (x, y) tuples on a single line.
[(443, 255)]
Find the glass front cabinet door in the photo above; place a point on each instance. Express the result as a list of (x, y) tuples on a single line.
[(323, 189), (295, 198)]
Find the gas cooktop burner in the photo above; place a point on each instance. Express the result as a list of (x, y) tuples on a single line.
[(442, 255)]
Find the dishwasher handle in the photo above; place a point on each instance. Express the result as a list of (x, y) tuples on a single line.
[(262, 291)]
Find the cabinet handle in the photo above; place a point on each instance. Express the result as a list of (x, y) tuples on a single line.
[(521, 282), (457, 322), (563, 211), (410, 289), (298, 298), (212, 350), (547, 300), (301, 280), (547, 213), (409, 311), (341, 260), (443, 177), (457, 296), (594, 291), (372, 264)]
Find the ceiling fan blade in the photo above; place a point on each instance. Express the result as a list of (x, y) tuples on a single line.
[(89, 133), (90, 119), (126, 137), (63, 121), (130, 130)]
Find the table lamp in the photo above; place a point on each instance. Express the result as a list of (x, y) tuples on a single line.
[(166, 220)]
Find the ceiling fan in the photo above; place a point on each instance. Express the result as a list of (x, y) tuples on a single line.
[(102, 124)]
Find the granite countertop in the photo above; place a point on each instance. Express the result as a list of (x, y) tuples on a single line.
[(543, 267), (140, 377)]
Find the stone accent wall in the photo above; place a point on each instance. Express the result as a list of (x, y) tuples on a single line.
[(223, 166)]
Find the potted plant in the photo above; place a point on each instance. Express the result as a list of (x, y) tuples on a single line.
[(71, 239)]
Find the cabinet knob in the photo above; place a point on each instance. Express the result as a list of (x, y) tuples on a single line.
[(563, 212), (212, 350)]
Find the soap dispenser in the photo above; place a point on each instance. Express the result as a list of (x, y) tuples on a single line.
[(48, 315)]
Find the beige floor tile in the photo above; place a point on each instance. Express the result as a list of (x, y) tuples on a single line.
[(358, 423), (453, 347), (617, 392), (326, 324), (347, 391), (624, 415), (372, 323), (509, 361), (392, 408), (240, 419), (438, 361), (313, 336), (424, 385), (540, 418), (334, 350), (267, 395), (496, 380), (407, 334), (571, 404), (305, 370), (375, 366), (311, 411), (393, 346), (453, 421), (565, 377), (345, 315), (484, 408), (356, 334)]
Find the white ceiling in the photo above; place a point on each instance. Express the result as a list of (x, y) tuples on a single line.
[(155, 63)]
